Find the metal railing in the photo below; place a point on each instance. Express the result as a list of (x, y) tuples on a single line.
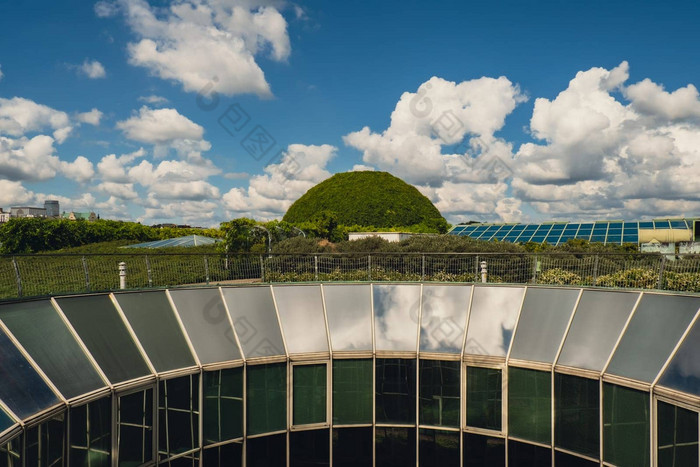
[(45, 274)]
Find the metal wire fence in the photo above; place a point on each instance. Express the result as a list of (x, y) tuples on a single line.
[(41, 275)]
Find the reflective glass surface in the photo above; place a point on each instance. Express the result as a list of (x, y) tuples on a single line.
[(596, 326), (528, 455), (255, 319), (91, 433), (267, 451), (625, 426), (439, 393), (45, 443), (222, 417), (178, 416), (396, 309), (443, 318), (484, 396), (353, 447), (678, 436), (266, 398), (438, 448), (5, 421), (683, 373), (227, 455), (301, 314), (207, 324), (135, 428), (543, 321), (155, 325), (309, 393), (396, 391), (309, 448), (21, 387), (577, 414), (530, 405), (349, 310), (567, 460), (652, 334), (105, 335), (492, 319), (43, 334), (395, 447), (352, 391), (483, 451)]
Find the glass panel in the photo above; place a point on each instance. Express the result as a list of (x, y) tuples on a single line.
[(352, 391), (438, 448), (309, 448), (21, 387), (155, 325), (492, 319), (352, 447), (625, 426), (661, 224), (395, 447), (228, 455), (596, 326), (349, 310), (678, 224), (266, 398), (396, 316), (223, 405), (484, 388), (678, 436), (5, 421), (11, 453), (42, 333), (178, 416), (530, 405), (301, 314), (309, 394), (646, 225), (568, 460), (439, 393), (135, 425), (45, 443), (203, 313), (443, 318), (91, 433), (683, 373), (105, 335), (542, 324), (255, 319), (577, 414), (483, 451), (396, 391), (528, 455), (653, 332), (267, 451)]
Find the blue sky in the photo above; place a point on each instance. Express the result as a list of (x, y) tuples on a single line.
[(504, 110)]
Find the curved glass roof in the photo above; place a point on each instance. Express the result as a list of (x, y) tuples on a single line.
[(190, 240)]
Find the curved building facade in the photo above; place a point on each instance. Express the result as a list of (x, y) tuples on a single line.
[(363, 374)]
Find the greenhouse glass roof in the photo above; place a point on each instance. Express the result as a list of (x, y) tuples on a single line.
[(190, 240)]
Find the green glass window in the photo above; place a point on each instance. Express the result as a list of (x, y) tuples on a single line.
[(309, 448), (396, 391), (678, 436), (352, 392), (438, 448), (577, 414), (267, 398), (44, 444), (223, 405), (227, 455), (625, 426), (528, 455), (267, 451), (568, 460), (439, 393), (5, 421), (178, 417), (135, 425), (91, 433), (484, 396), (352, 447), (309, 394), (395, 447), (483, 451), (11, 453), (530, 405)]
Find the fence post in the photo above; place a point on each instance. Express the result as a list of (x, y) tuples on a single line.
[(661, 272), (122, 275), (316, 267), (484, 272), (206, 268), (148, 272), (18, 277), (262, 269), (595, 270), (369, 267), (87, 274)]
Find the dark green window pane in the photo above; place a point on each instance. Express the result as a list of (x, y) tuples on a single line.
[(396, 391), (439, 393), (352, 392), (5, 421), (567, 460), (309, 448), (484, 395), (438, 448), (528, 455), (44, 444), (483, 451), (11, 453), (178, 415), (228, 455), (267, 398), (91, 434), (267, 451), (395, 447), (223, 405), (625, 426), (530, 405), (352, 447), (678, 436), (309, 394), (135, 425), (577, 414)]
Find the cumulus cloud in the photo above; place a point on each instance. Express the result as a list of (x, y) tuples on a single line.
[(211, 43), (92, 69), (19, 116), (105, 9), (153, 99), (81, 169), (92, 117)]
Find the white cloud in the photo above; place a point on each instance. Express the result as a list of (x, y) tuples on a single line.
[(362, 168), (153, 99), (112, 168), (201, 213), (92, 117), (81, 170), (28, 158), (105, 9), (211, 43), (118, 190), (92, 69), (19, 116), (13, 193), (650, 98)]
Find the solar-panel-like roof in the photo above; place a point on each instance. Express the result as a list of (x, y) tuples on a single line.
[(190, 240)]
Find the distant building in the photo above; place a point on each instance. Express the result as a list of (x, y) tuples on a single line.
[(52, 208), (27, 211), (388, 236), (4, 216), (74, 216)]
